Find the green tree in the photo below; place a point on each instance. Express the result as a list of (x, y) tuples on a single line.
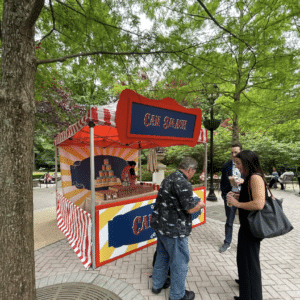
[(175, 154), (242, 46), (103, 35), (44, 152), (270, 151), (276, 113)]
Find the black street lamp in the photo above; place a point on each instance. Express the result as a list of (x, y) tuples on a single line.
[(212, 124)]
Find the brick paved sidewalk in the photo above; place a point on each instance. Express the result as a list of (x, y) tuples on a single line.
[(211, 274)]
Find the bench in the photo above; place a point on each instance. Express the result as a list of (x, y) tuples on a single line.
[(58, 178), (35, 182), (287, 179), (39, 181)]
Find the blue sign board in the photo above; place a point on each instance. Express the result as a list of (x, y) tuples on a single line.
[(131, 228), (155, 121), (134, 226), (81, 174)]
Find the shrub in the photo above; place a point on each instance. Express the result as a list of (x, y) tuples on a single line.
[(169, 170), (146, 175)]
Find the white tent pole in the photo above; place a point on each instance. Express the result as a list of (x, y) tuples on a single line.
[(92, 171), (140, 164), (205, 165), (56, 174)]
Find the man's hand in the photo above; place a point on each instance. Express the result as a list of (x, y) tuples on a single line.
[(240, 181), (199, 206)]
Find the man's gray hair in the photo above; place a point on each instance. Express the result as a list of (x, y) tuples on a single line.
[(187, 163)]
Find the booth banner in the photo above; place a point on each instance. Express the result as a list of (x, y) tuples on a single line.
[(163, 122), (75, 168), (199, 217), (76, 224), (124, 227)]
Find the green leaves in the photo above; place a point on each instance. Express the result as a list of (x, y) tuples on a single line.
[(244, 52), (242, 46)]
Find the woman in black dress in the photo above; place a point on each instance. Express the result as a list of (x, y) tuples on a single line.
[(252, 197)]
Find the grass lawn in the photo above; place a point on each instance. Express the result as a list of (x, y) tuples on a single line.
[(38, 174)]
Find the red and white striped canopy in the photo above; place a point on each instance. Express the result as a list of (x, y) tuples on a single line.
[(105, 131)]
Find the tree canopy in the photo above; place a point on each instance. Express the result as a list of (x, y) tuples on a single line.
[(248, 48), (252, 58), (272, 153)]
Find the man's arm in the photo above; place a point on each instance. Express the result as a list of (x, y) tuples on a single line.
[(199, 206), (184, 192), (225, 183)]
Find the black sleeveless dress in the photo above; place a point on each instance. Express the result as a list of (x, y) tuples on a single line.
[(248, 254)]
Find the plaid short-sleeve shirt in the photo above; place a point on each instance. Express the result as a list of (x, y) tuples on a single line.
[(175, 197)]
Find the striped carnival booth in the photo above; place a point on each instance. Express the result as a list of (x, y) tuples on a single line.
[(110, 136), (76, 224)]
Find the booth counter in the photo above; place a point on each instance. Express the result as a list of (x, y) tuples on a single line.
[(121, 227), (124, 227)]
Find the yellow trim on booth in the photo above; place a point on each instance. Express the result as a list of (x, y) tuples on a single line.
[(74, 193), (106, 252), (72, 151), (65, 172), (65, 184), (66, 161), (79, 201), (107, 215)]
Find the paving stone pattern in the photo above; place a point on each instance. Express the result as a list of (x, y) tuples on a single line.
[(211, 274)]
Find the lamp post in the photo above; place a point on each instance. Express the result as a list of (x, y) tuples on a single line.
[(211, 125)]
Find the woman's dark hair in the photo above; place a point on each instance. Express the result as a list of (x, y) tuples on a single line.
[(250, 163), (131, 163)]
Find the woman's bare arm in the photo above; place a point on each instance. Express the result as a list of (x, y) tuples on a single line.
[(257, 186)]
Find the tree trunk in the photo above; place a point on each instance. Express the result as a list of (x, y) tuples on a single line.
[(235, 129), (18, 66), (239, 74)]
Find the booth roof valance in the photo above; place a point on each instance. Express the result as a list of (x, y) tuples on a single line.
[(106, 133)]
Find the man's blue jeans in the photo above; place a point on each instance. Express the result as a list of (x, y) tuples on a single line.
[(174, 253), (230, 215)]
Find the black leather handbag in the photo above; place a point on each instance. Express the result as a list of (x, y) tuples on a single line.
[(270, 221)]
